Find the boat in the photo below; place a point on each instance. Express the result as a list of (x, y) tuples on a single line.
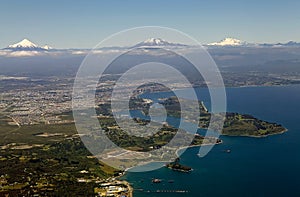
[(226, 151), (156, 180)]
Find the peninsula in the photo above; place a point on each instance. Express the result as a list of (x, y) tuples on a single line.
[(235, 124)]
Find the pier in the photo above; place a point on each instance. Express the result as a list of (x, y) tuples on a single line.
[(162, 191)]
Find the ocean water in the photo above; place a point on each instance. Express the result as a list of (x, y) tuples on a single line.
[(267, 166)]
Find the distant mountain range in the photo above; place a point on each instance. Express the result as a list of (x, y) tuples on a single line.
[(232, 42), (28, 48), (27, 45)]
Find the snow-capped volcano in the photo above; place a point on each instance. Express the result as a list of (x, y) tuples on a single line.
[(158, 42), (155, 41), (27, 45), (23, 44), (228, 42)]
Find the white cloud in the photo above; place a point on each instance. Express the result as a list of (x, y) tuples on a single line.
[(79, 52), (9, 53), (23, 53), (3, 53)]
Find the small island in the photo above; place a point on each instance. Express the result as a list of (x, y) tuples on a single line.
[(176, 166)]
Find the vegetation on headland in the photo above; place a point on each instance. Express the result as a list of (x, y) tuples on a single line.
[(163, 136), (235, 124), (247, 125)]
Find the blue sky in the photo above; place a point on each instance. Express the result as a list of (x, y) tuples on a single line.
[(82, 24)]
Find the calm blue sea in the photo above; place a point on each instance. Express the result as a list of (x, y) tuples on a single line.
[(255, 167)]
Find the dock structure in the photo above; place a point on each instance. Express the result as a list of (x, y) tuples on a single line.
[(163, 191), (204, 107)]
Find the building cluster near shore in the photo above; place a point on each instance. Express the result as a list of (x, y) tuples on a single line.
[(114, 188)]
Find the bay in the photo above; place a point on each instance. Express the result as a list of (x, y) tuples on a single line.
[(268, 166)]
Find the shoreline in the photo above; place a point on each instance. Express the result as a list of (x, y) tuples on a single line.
[(193, 146), (209, 144), (257, 136), (130, 188), (225, 86), (185, 147)]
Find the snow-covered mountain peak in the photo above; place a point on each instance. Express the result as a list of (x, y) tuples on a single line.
[(228, 42), (25, 43), (157, 42)]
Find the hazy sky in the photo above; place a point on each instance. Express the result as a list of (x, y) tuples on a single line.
[(70, 24)]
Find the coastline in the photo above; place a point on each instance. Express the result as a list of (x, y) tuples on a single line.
[(130, 188), (257, 136), (211, 144), (228, 86), (199, 145), (250, 149), (185, 147)]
